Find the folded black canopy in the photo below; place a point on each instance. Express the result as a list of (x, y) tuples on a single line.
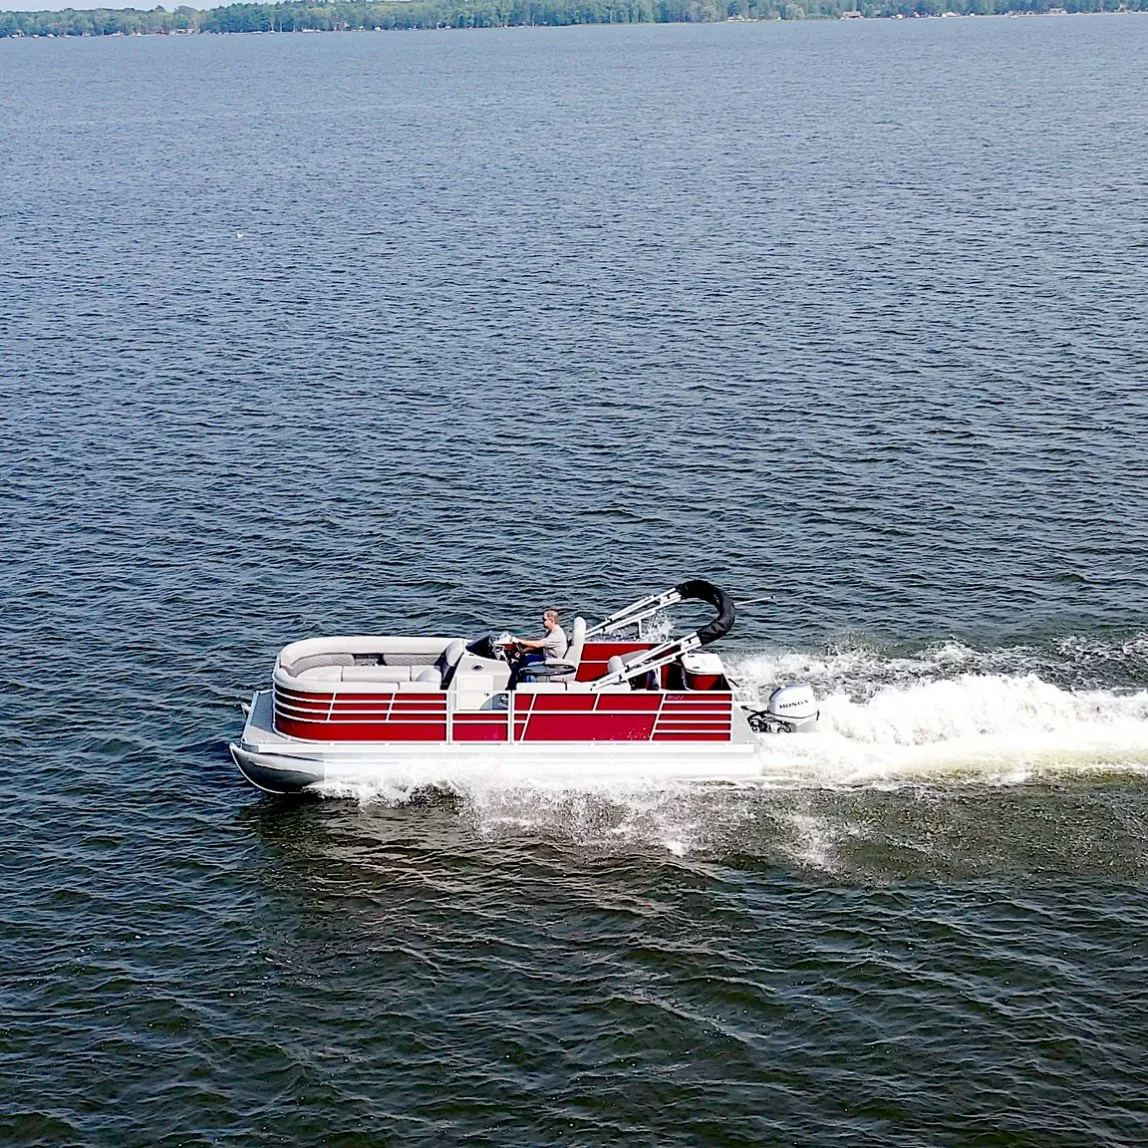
[(705, 591)]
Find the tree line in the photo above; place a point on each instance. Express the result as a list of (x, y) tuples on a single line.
[(356, 15)]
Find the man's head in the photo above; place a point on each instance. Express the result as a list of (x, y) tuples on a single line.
[(550, 618)]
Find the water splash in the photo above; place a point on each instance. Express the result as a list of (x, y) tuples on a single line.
[(950, 709)]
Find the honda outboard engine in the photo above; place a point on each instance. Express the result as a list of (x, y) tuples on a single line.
[(791, 709)]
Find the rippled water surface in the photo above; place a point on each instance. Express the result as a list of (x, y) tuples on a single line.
[(352, 333)]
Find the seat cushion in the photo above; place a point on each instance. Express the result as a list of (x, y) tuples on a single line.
[(380, 673)]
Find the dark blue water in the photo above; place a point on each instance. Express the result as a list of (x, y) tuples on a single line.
[(352, 333)]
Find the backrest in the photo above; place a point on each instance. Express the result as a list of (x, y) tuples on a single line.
[(448, 660), (577, 643), (378, 673)]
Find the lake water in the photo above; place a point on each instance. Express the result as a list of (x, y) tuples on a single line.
[(409, 332)]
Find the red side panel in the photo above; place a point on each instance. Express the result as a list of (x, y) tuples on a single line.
[(695, 717), (573, 717), (623, 717), (360, 717), (422, 717), (481, 726), (595, 655)]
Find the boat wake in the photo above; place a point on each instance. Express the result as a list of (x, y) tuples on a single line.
[(952, 711)]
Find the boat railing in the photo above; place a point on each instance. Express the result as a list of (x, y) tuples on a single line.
[(504, 716)]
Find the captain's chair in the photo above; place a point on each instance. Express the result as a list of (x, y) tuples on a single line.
[(565, 670)]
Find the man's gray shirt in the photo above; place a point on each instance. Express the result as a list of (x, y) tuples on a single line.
[(554, 645)]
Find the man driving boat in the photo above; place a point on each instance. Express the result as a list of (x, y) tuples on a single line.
[(550, 648)]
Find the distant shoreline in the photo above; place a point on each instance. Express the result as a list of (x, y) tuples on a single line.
[(305, 16)]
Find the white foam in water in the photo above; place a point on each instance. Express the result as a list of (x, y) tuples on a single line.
[(885, 718)]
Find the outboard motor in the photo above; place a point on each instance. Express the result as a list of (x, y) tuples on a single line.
[(791, 709)]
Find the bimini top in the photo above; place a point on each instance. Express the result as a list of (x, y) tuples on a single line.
[(705, 591), (638, 665)]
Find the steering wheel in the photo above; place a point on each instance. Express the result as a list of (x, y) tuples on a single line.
[(490, 645)]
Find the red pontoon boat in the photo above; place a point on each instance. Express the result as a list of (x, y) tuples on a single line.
[(385, 710)]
